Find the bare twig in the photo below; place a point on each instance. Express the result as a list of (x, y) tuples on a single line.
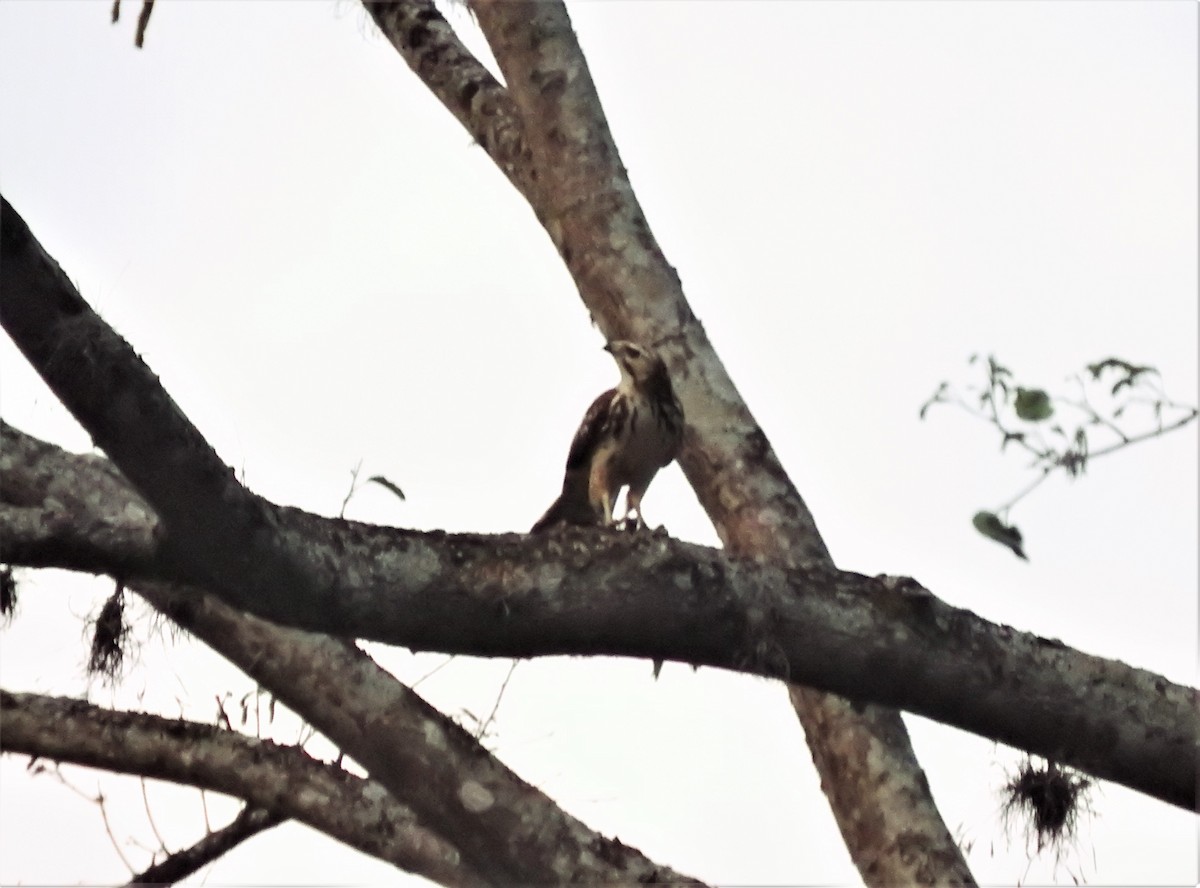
[(142, 22), (181, 864), (486, 723), (432, 672), (357, 811), (99, 800), (162, 846), (353, 487)]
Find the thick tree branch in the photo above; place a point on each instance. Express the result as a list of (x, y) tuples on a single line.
[(882, 639), (41, 311), (504, 827), (284, 780), (429, 45), (878, 792), (212, 526)]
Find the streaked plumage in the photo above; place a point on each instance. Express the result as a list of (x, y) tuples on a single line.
[(627, 435)]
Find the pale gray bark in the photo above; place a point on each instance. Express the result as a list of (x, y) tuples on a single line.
[(900, 645), (284, 780), (508, 830), (244, 553), (590, 592), (587, 205)]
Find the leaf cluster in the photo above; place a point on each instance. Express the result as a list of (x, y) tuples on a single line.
[(1116, 403)]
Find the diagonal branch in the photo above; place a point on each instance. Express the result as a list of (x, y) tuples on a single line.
[(878, 791), (503, 827), (266, 567), (429, 45), (212, 526), (284, 780), (882, 639), (178, 865)]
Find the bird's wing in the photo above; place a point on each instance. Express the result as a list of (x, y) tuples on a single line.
[(591, 431)]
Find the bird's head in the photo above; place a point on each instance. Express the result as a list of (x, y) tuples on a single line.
[(638, 364)]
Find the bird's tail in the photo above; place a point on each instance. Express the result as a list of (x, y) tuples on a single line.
[(571, 507)]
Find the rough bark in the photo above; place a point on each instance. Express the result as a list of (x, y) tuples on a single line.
[(243, 554), (505, 828), (281, 779), (425, 40), (588, 207), (240, 547), (211, 525), (883, 639)]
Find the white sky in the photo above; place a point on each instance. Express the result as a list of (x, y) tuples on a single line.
[(320, 266)]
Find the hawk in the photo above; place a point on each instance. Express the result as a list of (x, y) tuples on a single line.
[(627, 435)]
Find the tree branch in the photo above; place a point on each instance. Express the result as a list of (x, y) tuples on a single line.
[(259, 567), (284, 780), (429, 45), (178, 865), (212, 526), (503, 826), (880, 639), (878, 791)]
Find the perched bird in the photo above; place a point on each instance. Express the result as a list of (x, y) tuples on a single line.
[(627, 435)]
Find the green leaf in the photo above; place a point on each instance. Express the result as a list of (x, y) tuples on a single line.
[(990, 525), (1033, 405)]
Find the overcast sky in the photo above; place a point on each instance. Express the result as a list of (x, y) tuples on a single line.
[(323, 269)]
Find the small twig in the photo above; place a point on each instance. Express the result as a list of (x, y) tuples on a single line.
[(487, 722), (1086, 406), (108, 828), (222, 716), (150, 817), (204, 808), (353, 488), (305, 733), (1161, 430), (1003, 510), (143, 20), (178, 866), (432, 672)]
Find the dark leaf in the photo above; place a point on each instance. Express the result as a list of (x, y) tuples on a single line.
[(990, 525), (1033, 405), (384, 482)]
